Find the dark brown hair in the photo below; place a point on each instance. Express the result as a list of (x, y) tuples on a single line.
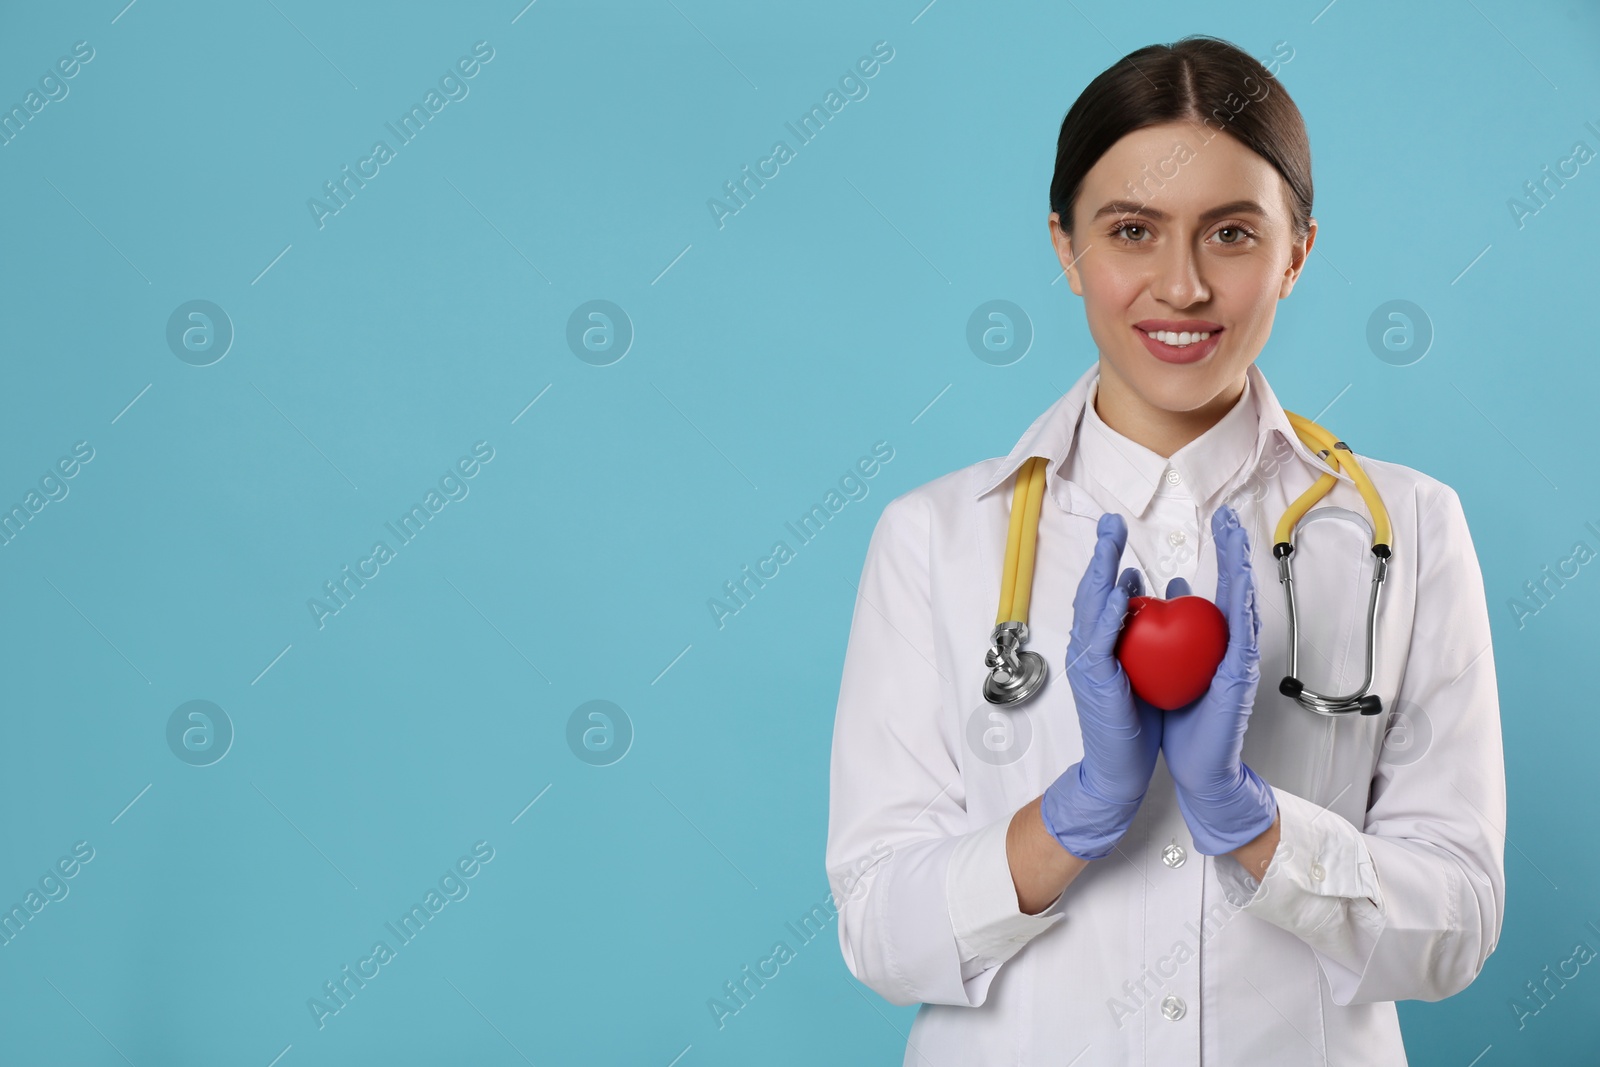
[(1199, 79)]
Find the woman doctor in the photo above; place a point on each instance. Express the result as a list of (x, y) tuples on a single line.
[(1084, 879)]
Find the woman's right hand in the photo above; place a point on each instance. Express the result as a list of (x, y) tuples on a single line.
[(1091, 805)]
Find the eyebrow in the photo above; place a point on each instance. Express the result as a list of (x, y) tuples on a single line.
[(1130, 207)]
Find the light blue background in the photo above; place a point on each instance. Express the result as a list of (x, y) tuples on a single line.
[(432, 310)]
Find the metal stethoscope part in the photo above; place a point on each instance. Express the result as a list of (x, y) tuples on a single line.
[(1015, 673), (1336, 454)]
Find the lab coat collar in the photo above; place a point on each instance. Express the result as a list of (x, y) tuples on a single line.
[(1053, 434)]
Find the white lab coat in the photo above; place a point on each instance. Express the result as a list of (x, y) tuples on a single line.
[(1389, 880)]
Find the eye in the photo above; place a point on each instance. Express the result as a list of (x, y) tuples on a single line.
[(1117, 232), (1244, 234)]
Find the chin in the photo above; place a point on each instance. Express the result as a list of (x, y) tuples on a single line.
[(1173, 387), (1148, 368)]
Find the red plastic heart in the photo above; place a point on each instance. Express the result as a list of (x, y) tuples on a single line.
[(1170, 649)]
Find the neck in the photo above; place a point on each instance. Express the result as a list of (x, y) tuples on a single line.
[(1161, 431)]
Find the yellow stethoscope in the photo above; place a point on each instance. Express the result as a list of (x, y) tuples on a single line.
[(1016, 674)]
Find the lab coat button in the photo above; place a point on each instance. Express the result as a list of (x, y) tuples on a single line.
[(1176, 538), (1173, 1007), (1173, 477), (1317, 872), (1173, 855)]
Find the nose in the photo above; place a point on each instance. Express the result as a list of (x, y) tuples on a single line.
[(1178, 281)]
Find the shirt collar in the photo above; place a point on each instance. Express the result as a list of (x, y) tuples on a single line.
[(1054, 433)]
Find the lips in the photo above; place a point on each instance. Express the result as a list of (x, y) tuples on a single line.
[(1179, 325), (1191, 353)]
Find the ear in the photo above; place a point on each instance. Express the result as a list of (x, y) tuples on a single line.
[(1299, 253), (1062, 242)]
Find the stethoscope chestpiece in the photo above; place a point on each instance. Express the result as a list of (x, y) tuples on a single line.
[(1015, 673)]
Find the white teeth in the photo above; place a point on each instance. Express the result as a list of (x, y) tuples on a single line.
[(1178, 340)]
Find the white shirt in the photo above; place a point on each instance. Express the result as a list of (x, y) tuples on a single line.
[(1388, 882)]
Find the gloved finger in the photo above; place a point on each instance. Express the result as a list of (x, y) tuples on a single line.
[(1109, 624), (1132, 583), (1248, 577), (1112, 535), (1221, 534), (1177, 587), (1244, 624), (1097, 642), (1244, 576), (1132, 580), (1241, 661), (1233, 586)]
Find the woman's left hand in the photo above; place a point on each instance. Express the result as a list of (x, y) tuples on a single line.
[(1225, 803)]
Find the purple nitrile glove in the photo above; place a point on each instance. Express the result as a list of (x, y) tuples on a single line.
[(1225, 803), (1090, 806)]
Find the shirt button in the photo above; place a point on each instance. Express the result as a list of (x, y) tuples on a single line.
[(1173, 1007), (1176, 538), (1173, 855), (1173, 478), (1317, 872)]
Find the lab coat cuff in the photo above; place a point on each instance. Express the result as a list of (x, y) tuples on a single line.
[(1320, 863), (989, 926)]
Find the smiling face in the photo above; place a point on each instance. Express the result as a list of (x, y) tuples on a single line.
[(1174, 232)]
